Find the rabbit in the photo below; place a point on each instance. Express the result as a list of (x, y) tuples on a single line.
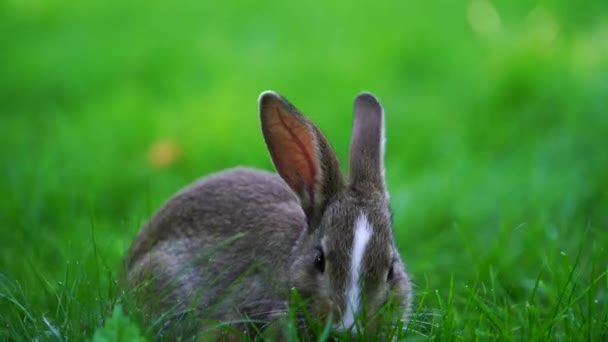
[(232, 246)]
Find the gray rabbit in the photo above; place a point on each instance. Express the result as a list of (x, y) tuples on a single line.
[(232, 246)]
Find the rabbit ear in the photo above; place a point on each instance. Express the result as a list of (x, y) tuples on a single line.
[(366, 160), (300, 153)]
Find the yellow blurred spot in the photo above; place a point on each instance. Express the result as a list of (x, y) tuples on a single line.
[(483, 17), (163, 153)]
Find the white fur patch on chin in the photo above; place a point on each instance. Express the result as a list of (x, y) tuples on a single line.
[(363, 233)]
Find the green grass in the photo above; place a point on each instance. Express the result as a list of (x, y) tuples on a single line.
[(497, 128)]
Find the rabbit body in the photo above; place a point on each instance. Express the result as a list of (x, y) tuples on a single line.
[(235, 224), (232, 245)]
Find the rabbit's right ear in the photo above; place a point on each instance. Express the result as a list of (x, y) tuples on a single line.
[(300, 153), (366, 159)]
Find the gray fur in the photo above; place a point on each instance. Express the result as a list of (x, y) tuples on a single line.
[(367, 143), (232, 244)]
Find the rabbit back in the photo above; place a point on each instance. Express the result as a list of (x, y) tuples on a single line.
[(219, 248)]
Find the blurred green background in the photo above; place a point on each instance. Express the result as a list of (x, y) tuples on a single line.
[(496, 113)]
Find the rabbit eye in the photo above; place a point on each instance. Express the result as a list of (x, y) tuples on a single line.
[(390, 274), (320, 260)]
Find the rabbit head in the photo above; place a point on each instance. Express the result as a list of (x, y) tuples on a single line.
[(345, 263)]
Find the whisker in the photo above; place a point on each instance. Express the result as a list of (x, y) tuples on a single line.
[(417, 332), (427, 314), (425, 323)]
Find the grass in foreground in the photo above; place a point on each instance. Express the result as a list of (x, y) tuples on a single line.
[(566, 299)]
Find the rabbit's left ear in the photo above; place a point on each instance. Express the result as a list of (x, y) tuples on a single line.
[(300, 153), (366, 157)]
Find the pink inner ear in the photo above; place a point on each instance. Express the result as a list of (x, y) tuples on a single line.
[(293, 151)]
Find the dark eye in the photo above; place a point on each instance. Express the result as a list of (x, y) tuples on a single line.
[(320, 260), (390, 274)]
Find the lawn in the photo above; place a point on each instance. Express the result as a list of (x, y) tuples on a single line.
[(497, 130)]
